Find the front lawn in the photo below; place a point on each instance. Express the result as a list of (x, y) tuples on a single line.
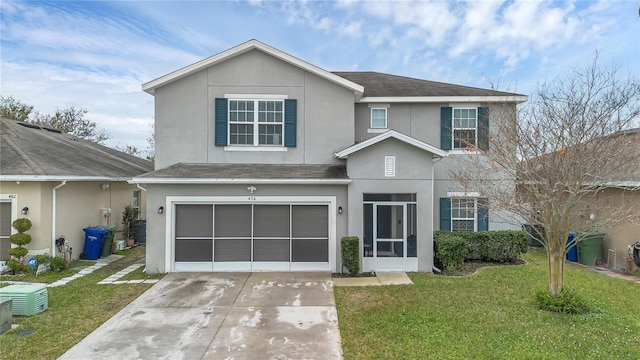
[(490, 315), (75, 310)]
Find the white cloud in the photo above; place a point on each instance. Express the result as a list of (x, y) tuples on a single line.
[(352, 29)]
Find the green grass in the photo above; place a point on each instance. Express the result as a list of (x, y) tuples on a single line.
[(49, 276), (491, 315), (75, 310)]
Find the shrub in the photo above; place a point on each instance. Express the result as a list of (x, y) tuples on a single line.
[(350, 254), (15, 265), (450, 251), (58, 264), (21, 225), (494, 246), (567, 302), (18, 252)]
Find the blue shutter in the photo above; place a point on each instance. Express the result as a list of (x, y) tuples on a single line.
[(446, 123), (445, 214), (220, 122), (483, 128), (290, 120), (483, 214)]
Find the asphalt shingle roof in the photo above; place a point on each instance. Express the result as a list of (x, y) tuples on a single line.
[(250, 171), (31, 150), (386, 85)]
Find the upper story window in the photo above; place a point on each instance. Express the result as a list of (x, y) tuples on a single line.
[(378, 118), (464, 128), (256, 122)]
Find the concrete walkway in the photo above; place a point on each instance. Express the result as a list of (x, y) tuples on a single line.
[(381, 278), (223, 316), (101, 262)]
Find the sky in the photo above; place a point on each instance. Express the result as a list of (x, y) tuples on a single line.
[(96, 55)]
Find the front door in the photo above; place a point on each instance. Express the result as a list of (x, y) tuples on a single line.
[(389, 241)]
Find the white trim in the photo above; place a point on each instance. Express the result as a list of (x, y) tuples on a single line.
[(231, 266), (390, 166), (465, 105), (343, 154), (464, 152), (275, 148), (13, 199), (377, 131), (443, 99), (270, 266), (171, 201), (150, 86), (256, 122), (310, 266), (60, 178), (256, 96), (374, 105), (191, 267), (386, 118), (238, 181), (463, 194)]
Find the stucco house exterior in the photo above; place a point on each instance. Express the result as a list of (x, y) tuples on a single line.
[(62, 184), (265, 161)]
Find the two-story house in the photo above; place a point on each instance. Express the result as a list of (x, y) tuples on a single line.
[(264, 162)]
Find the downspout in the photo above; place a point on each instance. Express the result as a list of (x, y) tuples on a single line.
[(140, 187), (53, 216)]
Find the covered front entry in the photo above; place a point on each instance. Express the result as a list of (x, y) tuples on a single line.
[(390, 232), (260, 235)]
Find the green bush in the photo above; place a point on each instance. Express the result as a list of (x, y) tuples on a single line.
[(567, 302), (20, 239), (15, 265), (18, 252), (58, 264), (21, 224), (450, 250), (351, 254), (493, 246)]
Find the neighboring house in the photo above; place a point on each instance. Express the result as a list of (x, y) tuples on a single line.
[(62, 184), (264, 162)]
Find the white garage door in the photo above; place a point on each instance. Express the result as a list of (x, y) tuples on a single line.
[(251, 237)]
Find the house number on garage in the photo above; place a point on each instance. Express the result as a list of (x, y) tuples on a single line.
[(252, 198)]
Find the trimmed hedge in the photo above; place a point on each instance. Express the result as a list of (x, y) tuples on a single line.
[(493, 246), (450, 251), (350, 254)]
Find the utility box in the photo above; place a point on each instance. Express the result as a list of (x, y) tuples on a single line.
[(28, 300), (5, 314)]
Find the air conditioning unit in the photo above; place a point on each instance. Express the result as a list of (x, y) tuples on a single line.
[(28, 299), (5, 315)]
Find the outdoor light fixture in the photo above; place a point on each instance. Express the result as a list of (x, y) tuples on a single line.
[(25, 210), (161, 210), (339, 209), (104, 186)]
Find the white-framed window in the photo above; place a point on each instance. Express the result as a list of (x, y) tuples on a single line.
[(463, 214), (256, 122), (136, 203), (465, 125), (378, 118)]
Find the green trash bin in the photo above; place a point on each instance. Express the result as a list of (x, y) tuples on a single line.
[(108, 241), (590, 248)]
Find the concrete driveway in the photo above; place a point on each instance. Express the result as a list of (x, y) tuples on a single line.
[(222, 316)]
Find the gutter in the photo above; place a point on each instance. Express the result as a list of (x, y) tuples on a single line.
[(238, 181), (53, 216)]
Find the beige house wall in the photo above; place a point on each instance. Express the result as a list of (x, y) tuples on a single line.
[(79, 204)]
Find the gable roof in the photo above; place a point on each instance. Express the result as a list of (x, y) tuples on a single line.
[(343, 154), (182, 173), (241, 49), (379, 87), (32, 153)]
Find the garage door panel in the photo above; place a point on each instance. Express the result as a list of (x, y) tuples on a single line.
[(194, 250), (271, 221), (194, 220), (5, 229), (271, 250), (232, 250), (233, 221), (310, 250), (310, 221)]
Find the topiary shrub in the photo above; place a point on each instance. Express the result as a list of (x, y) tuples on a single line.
[(350, 254), (567, 302), (21, 225), (450, 250), (493, 246)]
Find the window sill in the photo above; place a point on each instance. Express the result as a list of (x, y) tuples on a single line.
[(464, 152), (377, 130), (256, 148)]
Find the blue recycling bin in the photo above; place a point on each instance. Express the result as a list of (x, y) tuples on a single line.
[(572, 254), (93, 238)]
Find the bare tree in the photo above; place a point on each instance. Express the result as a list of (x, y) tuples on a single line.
[(572, 154)]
